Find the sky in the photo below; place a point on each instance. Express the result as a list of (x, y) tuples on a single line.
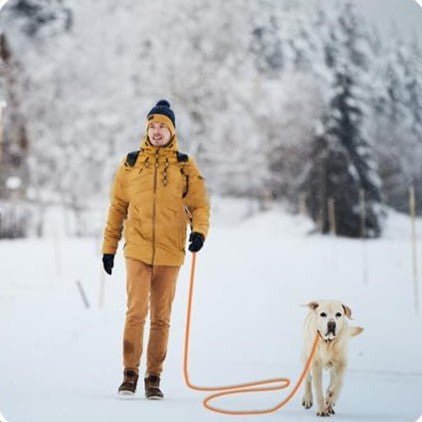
[(407, 14)]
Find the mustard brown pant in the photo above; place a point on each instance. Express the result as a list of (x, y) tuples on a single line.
[(148, 287)]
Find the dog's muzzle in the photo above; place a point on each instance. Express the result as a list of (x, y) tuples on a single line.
[(331, 327)]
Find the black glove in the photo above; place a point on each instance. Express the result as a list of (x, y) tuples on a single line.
[(196, 241), (108, 262)]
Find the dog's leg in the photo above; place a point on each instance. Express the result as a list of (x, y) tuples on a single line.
[(329, 392), (336, 384), (307, 397), (319, 395)]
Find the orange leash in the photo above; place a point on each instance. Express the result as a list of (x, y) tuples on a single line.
[(247, 387)]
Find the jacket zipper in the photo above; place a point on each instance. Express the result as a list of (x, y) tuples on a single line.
[(153, 206)]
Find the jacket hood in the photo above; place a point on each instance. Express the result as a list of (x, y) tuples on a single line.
[(172, 145)]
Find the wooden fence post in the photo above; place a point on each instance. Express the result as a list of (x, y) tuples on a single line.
[(332, 216), (302, 204), (412, 208), (362, 201)]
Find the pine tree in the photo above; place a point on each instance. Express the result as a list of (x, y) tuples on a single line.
[(343, 163)]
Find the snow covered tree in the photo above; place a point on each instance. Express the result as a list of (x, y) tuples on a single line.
[(388, 131), (23, 23), (343, 162), (211, 74), (413, 102), (287, 96), (266, 41), (397, 126)]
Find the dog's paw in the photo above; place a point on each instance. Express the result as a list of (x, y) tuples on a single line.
[(307, 402), (330, 410), (324, 412)]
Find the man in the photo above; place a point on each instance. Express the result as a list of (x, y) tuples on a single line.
[(157, 191)]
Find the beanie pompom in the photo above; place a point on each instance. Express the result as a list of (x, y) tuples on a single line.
[(164, 103)]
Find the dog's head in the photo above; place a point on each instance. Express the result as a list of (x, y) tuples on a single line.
[(330, 317)]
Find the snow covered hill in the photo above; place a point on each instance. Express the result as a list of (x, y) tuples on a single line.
[(61, 361)]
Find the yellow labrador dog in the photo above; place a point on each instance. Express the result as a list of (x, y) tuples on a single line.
[(327, 318)]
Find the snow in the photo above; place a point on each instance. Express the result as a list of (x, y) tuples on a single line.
[(61, 361), (13, 183)]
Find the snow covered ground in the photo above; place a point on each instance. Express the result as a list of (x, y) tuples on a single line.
[(61, 361)]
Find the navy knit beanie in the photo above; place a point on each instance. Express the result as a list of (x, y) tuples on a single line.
[(163, 107)]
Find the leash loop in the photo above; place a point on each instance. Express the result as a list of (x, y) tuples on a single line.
[(273, 384)]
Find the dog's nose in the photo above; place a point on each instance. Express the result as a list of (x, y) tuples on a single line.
[(331, 327)]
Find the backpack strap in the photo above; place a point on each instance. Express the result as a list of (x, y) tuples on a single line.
[(131, 158), (182, 158)]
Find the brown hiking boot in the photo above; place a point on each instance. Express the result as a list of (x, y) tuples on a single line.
[(152, 388), (130, 380)]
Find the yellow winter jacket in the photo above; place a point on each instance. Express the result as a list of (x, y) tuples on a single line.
[(153, 201)]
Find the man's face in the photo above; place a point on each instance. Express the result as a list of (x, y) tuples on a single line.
[(158, 134)]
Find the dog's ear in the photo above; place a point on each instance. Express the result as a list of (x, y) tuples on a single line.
[(312, 305), (347, 311), (355, 331)]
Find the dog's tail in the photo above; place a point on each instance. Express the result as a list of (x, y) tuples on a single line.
[(355, 331)]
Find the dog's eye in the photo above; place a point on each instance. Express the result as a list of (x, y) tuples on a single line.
[(323, 314), (338, 314)]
